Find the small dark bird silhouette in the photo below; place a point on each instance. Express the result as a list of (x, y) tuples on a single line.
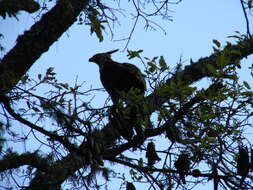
[(151, 154), (243, 163), (173, 134), (182, 164), (130, 186)]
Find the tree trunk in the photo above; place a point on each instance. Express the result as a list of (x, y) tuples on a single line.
[(34, 42)]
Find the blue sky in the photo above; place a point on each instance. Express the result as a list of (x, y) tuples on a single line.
[(195, 24)]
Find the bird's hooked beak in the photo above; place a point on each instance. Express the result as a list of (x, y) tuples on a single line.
[(91, 59), (97, 57)]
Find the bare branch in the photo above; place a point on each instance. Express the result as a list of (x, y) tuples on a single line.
[(246, 19), (53, 136)]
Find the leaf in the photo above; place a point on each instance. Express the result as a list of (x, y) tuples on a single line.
[(234, 36), (28, 104), (154, 58), (165, 91), (216, 50), (211, 68), (208, 116), (133, 54), (235, 52), (49, 70), (162, 63), (39, 76), (96, 24), (246, 85), (36, 109), (247, 93), (64, 85), (221, 61), (140, 162), (217, 43), (152, 67), (24, 79)]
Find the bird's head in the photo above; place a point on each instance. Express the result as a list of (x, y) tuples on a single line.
[(101, 58)]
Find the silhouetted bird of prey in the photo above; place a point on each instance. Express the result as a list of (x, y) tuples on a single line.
[(118, 77)]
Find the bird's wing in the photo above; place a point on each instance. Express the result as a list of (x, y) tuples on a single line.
[(135, 71)]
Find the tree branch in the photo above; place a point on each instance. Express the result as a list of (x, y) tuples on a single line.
[(34, 42), (199, 69), (59, 172), (149, 169), (11, 7), (190, 74), (13, 160), (53, 136)]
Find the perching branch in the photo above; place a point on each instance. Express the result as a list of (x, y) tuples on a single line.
[(146, 169)]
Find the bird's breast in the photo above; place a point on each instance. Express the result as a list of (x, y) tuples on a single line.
[(115, 77)]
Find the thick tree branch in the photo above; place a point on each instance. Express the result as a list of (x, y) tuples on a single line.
[(13, 160), (11, 7), (59, 172), (34, 42), (199, 69)]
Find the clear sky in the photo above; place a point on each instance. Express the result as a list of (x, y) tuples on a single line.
[(195, 24)]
